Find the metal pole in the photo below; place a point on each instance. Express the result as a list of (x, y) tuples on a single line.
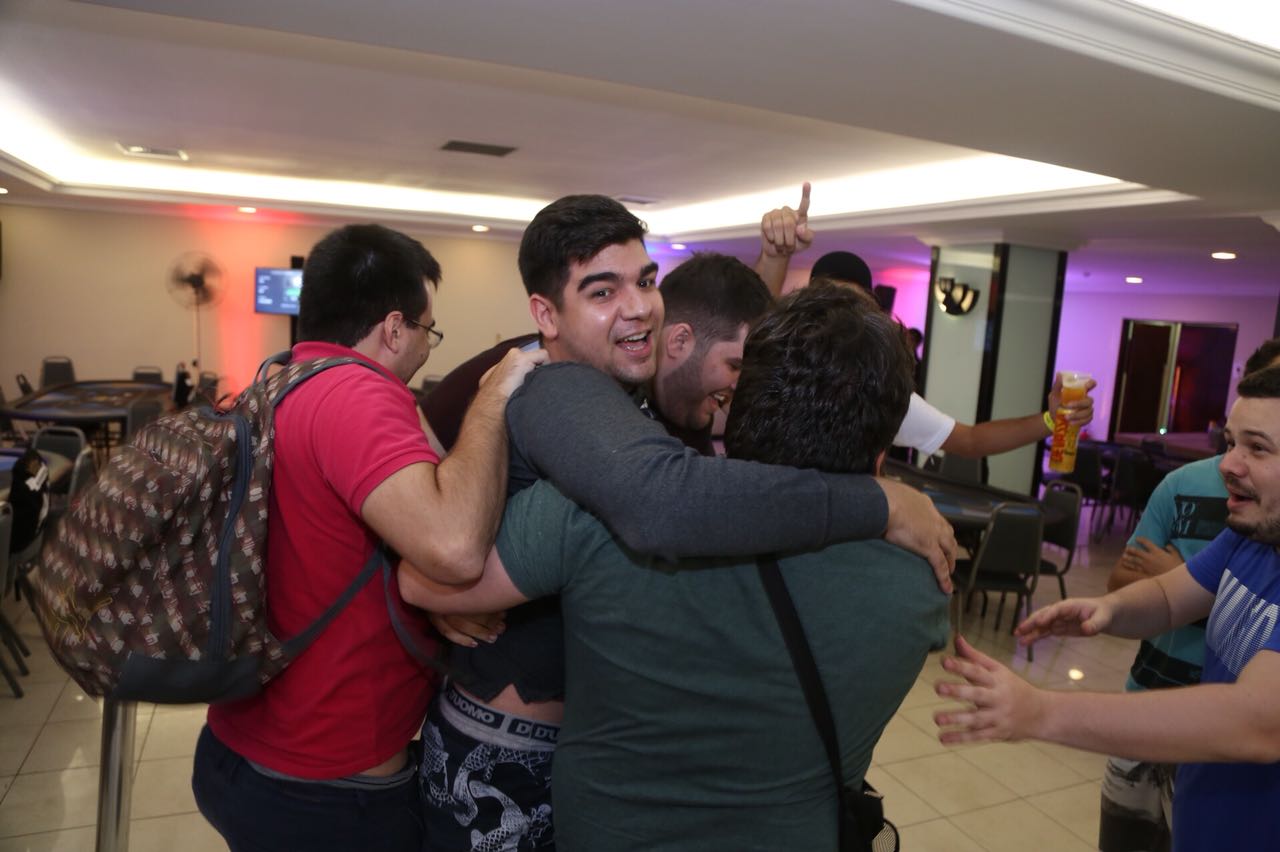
[(115, 775)]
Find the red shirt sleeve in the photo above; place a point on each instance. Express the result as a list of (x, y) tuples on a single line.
[(367, 429)]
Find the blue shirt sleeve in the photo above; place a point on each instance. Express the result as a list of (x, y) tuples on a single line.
[(1207, 565)]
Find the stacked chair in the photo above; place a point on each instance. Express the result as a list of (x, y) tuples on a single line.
[(56, 370), (1007, 561), (1067, 498)]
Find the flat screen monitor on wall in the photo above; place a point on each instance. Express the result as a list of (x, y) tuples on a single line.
[(276, 291)]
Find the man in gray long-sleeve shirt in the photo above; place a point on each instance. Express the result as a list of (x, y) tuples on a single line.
[(593, 295), (684, 728)]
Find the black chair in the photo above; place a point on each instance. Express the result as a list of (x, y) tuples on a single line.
[(66, 441), (207, 388), (56, 370), (8, 636), (84, 471), (1067, 498), (148, 374), (141, 412), (963, 469), (9, 434), (24, 384), (1132, 482), (1008, 560), (1093, 486)]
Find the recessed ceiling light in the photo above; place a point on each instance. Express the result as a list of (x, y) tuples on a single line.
[(1133, 279), (247, 209), (480, 229), (153, 153), (1223, 255), (3, 191), (678, 246)]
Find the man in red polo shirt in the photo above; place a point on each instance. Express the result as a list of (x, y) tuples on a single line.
[(321, 758)]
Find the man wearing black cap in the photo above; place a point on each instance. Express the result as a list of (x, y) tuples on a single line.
[(785, 232)]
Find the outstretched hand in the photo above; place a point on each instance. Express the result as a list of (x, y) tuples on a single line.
[(784, 231), (1072, 617), (508, 374), (1001, 705)]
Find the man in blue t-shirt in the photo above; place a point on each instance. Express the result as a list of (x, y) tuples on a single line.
[(1186, 512), (1225, 732)]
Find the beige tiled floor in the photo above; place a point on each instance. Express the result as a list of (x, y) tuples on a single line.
[(978, 798)]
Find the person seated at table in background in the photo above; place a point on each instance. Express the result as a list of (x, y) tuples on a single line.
[(785, 232), (182, 386), (1224, 732), (684, 724), (1186, 512)]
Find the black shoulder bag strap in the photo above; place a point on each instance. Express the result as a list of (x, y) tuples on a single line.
[(861, 813)]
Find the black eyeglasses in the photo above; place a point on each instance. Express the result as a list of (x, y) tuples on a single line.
[(434, 337)]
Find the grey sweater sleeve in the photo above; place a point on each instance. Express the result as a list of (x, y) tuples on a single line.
[(577, 428)]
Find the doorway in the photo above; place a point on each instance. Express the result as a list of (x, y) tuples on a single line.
[(1172, 376)]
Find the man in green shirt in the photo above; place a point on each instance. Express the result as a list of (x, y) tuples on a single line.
[(684, 726)]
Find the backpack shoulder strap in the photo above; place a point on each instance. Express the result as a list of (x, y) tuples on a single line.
[(278, 358)]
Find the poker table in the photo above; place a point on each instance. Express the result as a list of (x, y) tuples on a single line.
[(967, 506), (83, 403)]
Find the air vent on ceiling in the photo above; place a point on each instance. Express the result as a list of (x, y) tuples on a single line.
[(636, 200), (152, 152), (477, 148)]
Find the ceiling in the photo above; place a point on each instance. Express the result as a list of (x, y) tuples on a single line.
[(705, 113)]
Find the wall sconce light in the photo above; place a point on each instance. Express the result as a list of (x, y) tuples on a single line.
[(953, 298)]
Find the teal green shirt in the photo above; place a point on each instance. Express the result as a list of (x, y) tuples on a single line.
[(685, 727), (1188, 509)]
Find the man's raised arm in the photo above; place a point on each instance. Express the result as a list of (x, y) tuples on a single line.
[(783, 232), (999, 436)]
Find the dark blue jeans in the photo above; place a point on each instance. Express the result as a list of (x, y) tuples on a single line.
[(257, 813)]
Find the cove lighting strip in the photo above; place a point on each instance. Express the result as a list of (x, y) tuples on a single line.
[(27, 138)]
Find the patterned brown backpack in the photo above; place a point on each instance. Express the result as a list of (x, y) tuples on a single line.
[(152, 588)]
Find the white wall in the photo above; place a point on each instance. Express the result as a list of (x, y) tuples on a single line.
[(959, 343), (92, 286), (1089, 333)]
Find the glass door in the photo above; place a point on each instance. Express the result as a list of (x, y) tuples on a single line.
[(1172, 376)]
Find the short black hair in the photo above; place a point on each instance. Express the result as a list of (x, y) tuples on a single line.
[(1260, 384), (716, 295), (843, 266), (357, 275), (1263, 356), (571, 230), (826, 380)]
